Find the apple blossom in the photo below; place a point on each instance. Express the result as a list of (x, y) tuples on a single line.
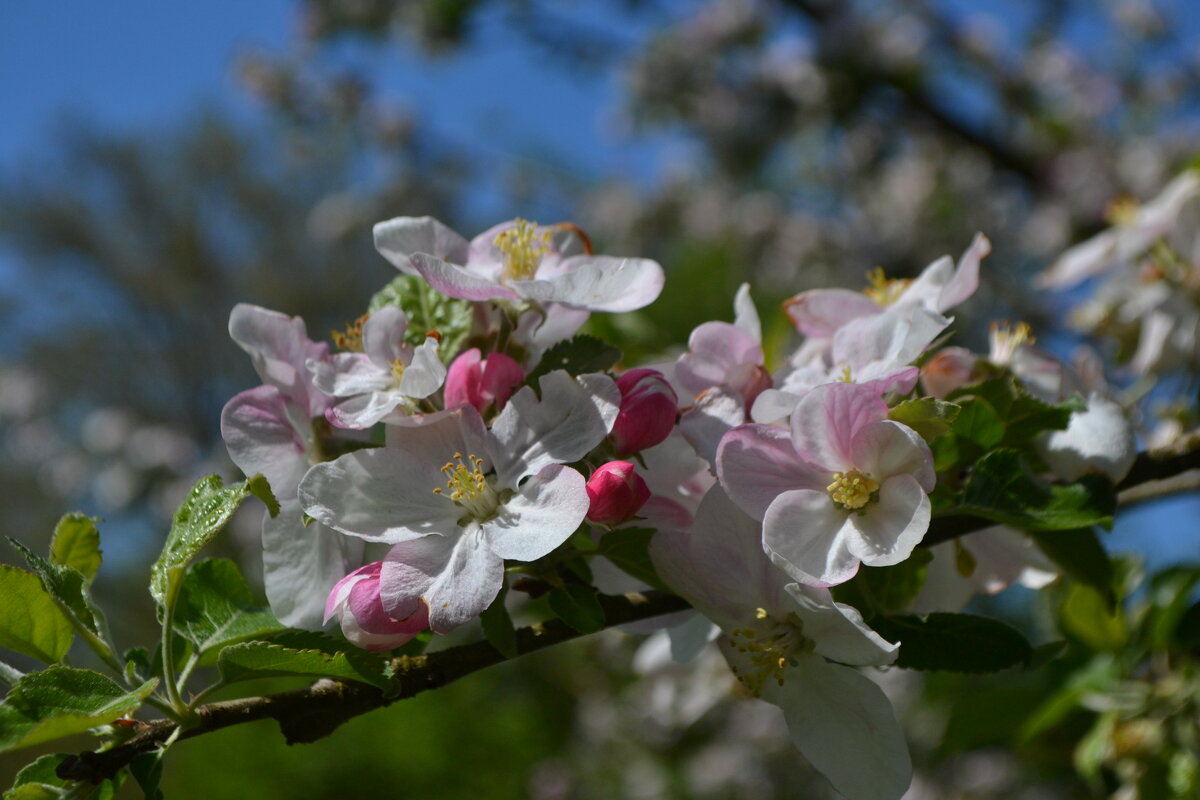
[(616, 493), (355, 603), (485, 383), (647, 414)]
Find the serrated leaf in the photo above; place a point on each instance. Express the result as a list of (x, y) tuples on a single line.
[(205, 511), (36, 791), (978, 423), (954, 642), (928, 416), (76, 544), (251, 660), (498, 627), (628, 549), (578, 606), (61, 701), (1079, 554), (578, 355), (428, 310), (41, 771), (216, 608), (30, 622), (1024, 416), (1003, 490), (67, 586)]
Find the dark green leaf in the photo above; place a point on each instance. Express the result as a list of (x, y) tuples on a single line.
[(1043, 654), (927, 416), (1080, 555), (1003, 490), (1171, 592), (1187, 632), (1024, 417), (147, 769), (205, 511), (61, 701), (628, 548), (498, 627), (577, 355), (76, 544), (577, 605), (30, 622), (978, 423), (250, 660), (1095, 678), (67, 586), (1088, 615), (955, 642), (216, 608), (137, 664), (894, 588)]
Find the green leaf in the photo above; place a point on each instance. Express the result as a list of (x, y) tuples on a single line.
[(1096, 677), (628, 548), (30, 622), (978, 422), (428, 310), (1024, 417), (954, 642), (577, 605), (68, 587), (886, 588), (41, 771), (216, 608), (927, 416), (1088, 615), (1187, 632), (251, 660), (498, 626), (577, 355), (1171, 592), (147, 770), (76, 544), (1079, 554), (1003, 490), (61, 701), (36, 791), (1043, 654), (205, 511)]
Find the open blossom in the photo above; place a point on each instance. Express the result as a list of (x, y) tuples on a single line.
[(356, 605), (519, 260), (791, 645), (845, 485), (455, 499), (484, 383), (387, 375)]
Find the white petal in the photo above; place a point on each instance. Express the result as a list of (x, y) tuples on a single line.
[(383, 336), (409, 569), (541, 515), (886, 532), (398, 239), (885, 448), (714, 414), (838, 630), (261, 439), (806, 534), (349, 374), (426, 374), (468, 584), (598, 283), (301, 565), (454, 281), (1099, 439), (745, 314)]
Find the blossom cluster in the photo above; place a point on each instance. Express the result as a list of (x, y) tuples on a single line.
[(436, 453)]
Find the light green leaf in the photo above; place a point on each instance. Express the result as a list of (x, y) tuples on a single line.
[(1088, 615), (68, 586), (428, 310), (216, 608), (30, 622), (61, 701), (577, 605), (928, 416), (76, 544), (36, 791), (954, 642), (41, 771), (578, 355), (1003, 490), (207, 509), (250, 660)]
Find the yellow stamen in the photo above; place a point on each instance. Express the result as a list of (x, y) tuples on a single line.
[(397, 371), (1006, 338), (771, 645), (469, 487), (845, 377), (1122, 211), (523, 248), (884, 290), (851, 490), (350, 340)]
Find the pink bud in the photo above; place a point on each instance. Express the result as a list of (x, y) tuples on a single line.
[(617, 492), (951, 368), (482, 382), (647, 412), (355, 602)]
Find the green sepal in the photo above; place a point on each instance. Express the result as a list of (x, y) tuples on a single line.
[(62, 701), (954, 642), (30, 621)]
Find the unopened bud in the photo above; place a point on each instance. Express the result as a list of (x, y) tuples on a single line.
[(616, 492), (951, 368), (356, 603), (647, 412), (482, 382)]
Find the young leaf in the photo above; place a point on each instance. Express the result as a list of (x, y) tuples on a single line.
[(30, 622), (76, 544), (978, 422), (1088, 615), (427, 310), (61, 701), (147, 769), (576, 605), (498, 627), (67, 586), (928, 416), (1080, 555), (216, 609), (41, 771), (628, 548), (250, 660), (1003, 490), (578, 355), (1024, 417), (954, 642), (204, 513)]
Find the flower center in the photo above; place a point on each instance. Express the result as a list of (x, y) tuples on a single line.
[(469, 487), (397, 372), (1006, 338), (772, 645), (884, 290), (851, 490), (523, 248), (350, 340)]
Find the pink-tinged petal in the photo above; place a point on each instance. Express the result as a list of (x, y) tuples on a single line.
[(844, 725), (745, 315), (773, 405), (713, 415), (542, 514), (350, 374), (924, 291), (806, 534), (383, 336), (399, 239), (381, 495), (885, 448), (828, 418), (900, 381), (966, 277), (454, 281), (757, 463), (886, 532), (820, 312), (468, 584), (409, 569), (838, 630), (715, 351), (885, 342), (598, 283), (951, 368), (647, 414), (279, 348), (260, 438), (364, 410), (301, 564), (482, 383)]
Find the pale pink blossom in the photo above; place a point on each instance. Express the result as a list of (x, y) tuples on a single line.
[(355, 603)]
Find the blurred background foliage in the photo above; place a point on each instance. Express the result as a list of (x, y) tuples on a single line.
[(790, 143)]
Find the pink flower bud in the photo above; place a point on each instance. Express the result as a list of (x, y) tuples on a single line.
[(647, 412), (950, 369), (355, 602), (482, 382), (616, 492)]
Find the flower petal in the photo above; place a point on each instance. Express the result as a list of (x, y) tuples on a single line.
[(838, 630), (468, 584), (598, 283), (541, 515), (398, 239), (885, 448), (888, 530), (805, 532), (757, 463), (454, 281), (827, 419), (261, 439), (819, 313), (409, 569), (301, 565), (383, 336), (425, 374)]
